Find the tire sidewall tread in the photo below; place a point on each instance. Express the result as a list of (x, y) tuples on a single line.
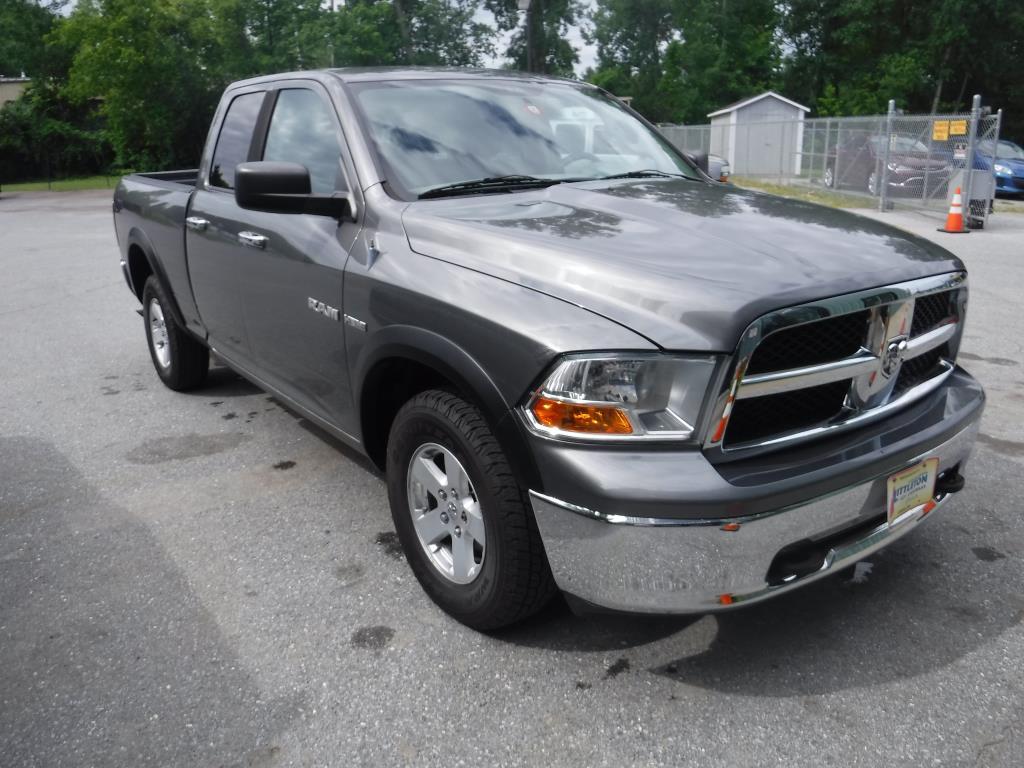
[(515, 581)]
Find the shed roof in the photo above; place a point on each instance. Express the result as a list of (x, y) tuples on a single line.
[(744, 102)]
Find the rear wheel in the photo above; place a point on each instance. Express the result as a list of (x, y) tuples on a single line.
[(181, 361), (464, 523), (873, 184)]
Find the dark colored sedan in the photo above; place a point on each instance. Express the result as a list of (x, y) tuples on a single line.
[(858, 161)]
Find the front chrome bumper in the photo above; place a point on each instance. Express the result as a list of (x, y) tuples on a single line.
[(657, 565)]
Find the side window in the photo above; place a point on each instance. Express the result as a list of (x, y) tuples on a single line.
[(303, 131), (235, 134)]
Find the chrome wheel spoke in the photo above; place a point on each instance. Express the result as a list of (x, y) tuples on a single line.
[(463, 565), (428, 474), (446, 513), (456, 477), (158, 334), (429, 527), (473, 525)]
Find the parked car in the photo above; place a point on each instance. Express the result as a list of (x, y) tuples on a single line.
[(718, 168), (592, 370), (857, 163), (1006, 160)]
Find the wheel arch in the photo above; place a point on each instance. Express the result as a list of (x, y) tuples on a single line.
[(406, 360), (143, 262)]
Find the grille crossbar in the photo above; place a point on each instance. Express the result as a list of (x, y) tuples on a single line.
[(770, 401)]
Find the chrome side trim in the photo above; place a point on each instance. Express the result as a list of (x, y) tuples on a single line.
[(811, 376), (926, 342), (865, 417)]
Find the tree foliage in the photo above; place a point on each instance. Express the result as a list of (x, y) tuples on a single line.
[(539, 42), (135, 82), (680, 59)]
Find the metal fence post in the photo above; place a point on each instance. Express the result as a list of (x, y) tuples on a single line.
[(995, 154), (883, 197), (824, 162), (972, 138)]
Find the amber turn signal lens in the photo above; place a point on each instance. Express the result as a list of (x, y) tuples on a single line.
[(572, 417)]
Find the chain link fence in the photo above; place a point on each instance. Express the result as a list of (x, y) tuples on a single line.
[(891, 160)]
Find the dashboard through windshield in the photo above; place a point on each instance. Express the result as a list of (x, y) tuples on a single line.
[(429, 134)]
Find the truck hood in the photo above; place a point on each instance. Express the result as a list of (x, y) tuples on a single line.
[(686, 264)]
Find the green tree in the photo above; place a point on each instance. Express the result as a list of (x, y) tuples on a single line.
[(724, 52), (142, 61), (23, 24), (443, 32), (539, 44), (630, 39), (852, 56)]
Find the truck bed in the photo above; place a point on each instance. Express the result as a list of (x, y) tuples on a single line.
[(156, 204), (183, 178)]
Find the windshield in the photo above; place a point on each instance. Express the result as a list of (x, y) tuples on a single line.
[(432, 133), (1009, 151)]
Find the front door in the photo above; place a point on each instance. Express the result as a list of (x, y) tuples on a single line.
[(292, 265)]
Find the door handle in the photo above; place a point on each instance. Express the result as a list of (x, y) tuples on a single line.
[(253, 240), (196, 224)]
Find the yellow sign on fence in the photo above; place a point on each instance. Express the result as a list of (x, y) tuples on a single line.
[(958, 127), (940, 130)]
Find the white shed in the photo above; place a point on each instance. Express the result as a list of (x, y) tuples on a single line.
[(761, 135)]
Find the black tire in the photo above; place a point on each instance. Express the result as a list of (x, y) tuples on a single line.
[(515, 579), (188, 359)]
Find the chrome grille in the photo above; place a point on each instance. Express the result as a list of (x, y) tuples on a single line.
[(825, 366), (811, 343)]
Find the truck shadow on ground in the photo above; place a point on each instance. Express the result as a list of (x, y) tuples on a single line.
[(558, 628), (106, 651)]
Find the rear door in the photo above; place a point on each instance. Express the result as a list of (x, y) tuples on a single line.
[(292, 265)]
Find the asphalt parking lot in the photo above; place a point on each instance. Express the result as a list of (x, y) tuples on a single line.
[(205, 579)]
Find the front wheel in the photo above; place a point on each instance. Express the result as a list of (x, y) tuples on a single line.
[(830, 176), (181, 361), (464, 522)]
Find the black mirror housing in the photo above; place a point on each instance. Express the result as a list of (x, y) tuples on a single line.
[(278, 187)]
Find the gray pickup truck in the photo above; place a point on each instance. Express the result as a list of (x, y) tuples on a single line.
[(582, 365)]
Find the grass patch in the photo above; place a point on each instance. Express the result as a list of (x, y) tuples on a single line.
[(810, 194), (62, 185)]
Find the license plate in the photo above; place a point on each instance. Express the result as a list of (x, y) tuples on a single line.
[(912, 488)]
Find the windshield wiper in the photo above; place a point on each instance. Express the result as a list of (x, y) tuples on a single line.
[(645, 174), (490, 184)]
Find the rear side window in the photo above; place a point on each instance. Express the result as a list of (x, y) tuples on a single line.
[(302, 131), (235, 136)]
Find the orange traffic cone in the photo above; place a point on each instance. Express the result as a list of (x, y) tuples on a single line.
[(955, 217)]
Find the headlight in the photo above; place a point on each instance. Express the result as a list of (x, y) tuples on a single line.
[(1000, 168), (897, 167), (606, 397)]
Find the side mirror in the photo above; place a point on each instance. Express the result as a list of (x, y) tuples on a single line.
[(700, 159), (284, 188)]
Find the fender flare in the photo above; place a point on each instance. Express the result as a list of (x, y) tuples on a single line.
[(137, 238), (458, 366)]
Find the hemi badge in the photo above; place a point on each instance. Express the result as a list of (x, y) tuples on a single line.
[(359, 325)]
